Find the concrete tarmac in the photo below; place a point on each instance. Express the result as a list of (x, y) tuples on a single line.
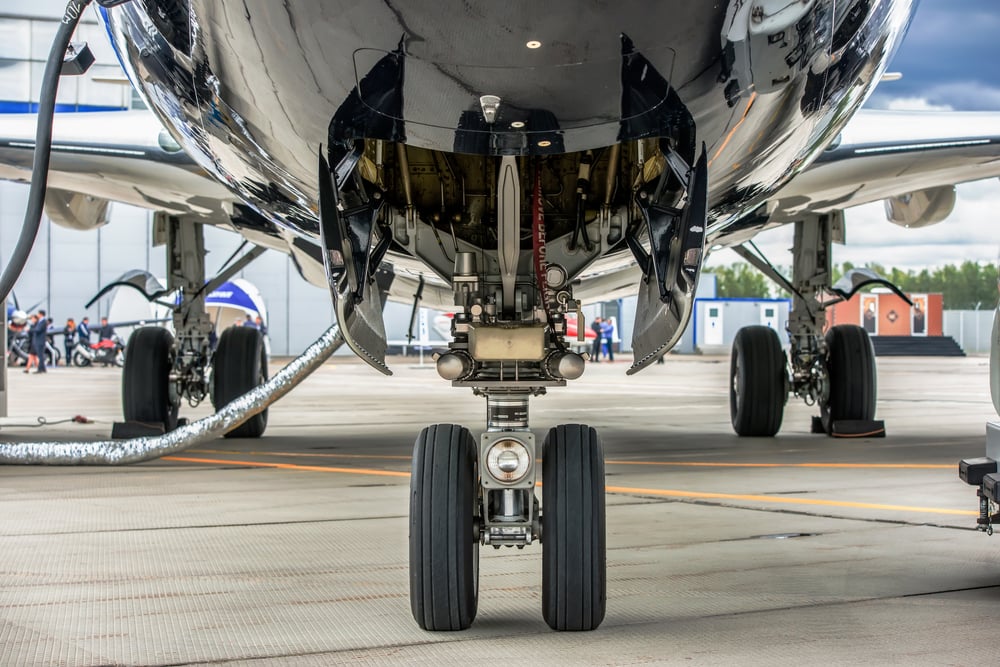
[(292, 549)]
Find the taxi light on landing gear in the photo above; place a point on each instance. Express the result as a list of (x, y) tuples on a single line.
[(508, 461)]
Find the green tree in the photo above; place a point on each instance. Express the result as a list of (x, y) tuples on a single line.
[(741, 280)]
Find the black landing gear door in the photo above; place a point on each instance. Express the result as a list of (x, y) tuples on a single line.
[(347, 232), (671, 267)]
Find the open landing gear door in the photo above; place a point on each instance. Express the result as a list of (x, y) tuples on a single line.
[(347, 232), (670, 268)]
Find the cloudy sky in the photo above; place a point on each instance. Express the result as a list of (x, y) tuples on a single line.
[(948, 61)]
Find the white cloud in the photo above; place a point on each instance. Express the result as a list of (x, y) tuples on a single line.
[(915, 104), (962, 95)]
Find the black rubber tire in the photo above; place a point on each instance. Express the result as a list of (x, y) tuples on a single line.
[(80, 359), (574, 553), (444, 545), (240, 365), (757, 382), (146, 378), (850, 364)]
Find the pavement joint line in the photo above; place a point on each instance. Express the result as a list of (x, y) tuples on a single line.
[(660, 493), (203, 526)]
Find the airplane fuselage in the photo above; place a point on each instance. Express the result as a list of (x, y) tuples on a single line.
[(253, 90)]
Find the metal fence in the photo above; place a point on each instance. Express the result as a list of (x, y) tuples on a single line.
[(971, 328)]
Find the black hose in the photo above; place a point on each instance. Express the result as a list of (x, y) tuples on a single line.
[(43, 147)]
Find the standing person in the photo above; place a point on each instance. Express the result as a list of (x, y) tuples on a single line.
[(69, 333), (32, 357), (106, 332), (262, 328), (39, 336), (608, 334), (595, 326), (83, 331), (248, 322)]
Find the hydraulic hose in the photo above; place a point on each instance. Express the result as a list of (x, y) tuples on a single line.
[(136, 450), (43, 147)]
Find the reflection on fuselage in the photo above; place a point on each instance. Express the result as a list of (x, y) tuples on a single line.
[(250, 88)]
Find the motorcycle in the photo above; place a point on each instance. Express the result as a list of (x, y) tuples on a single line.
[(18, 347), (110, 352)]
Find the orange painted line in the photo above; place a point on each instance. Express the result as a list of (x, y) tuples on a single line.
[(695, 464), (305, 455), (661, 493), (290, 466), (729, 136), (671, 493), (860, 466)]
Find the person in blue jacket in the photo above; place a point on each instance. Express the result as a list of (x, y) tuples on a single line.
[(39, 336), (83, 331), (608, 335)]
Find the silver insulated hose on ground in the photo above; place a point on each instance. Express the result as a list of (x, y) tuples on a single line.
[(137, 450)]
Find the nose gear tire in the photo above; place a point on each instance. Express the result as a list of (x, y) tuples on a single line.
[(574, 560), (444, 545)]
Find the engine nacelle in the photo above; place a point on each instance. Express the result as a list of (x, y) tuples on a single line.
[(75, 210), (921, 208)]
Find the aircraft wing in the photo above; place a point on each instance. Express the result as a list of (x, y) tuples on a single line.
[(123, 156), (896, 154)]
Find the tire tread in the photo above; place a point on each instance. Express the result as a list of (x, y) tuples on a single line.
[(763, 365), (443, 586), (239, 359), (574, 551), (145, 378), (853, 377)]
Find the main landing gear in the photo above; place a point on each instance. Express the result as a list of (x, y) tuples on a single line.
[(162, 370), (835, 371)]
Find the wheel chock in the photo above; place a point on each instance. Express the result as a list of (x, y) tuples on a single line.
[(858, 428), (127, 430)]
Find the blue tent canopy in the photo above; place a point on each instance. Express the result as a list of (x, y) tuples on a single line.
[(239, 294)]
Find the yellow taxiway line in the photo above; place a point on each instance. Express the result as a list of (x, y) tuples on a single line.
[(679, 464), (289, 466), (659, 493)]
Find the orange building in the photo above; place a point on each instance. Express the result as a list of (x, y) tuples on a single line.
[(886, 314)]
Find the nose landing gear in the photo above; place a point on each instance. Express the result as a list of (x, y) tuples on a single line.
[(461, 497)]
